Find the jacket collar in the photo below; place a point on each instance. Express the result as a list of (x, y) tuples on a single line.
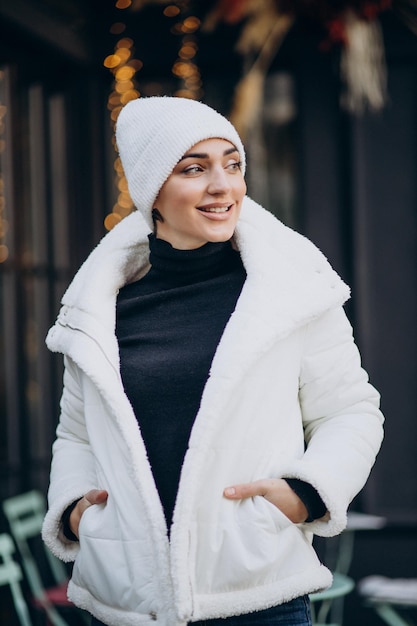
[(289, 281)]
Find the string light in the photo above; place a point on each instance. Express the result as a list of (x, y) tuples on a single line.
[(124, 68), (123, 4), (117, 28), (171, 11), (185, 67)]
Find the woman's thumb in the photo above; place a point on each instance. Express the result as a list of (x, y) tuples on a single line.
[(96, 496)]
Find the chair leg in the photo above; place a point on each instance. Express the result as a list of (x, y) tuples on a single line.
[(20, 606), (52, 617), (389, 615)]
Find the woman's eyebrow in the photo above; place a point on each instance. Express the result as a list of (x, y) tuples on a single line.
[(205, 155)]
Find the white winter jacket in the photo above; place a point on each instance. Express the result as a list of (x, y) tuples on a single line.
[(286, 397)]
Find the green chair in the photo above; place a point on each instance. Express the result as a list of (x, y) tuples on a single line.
[(11, 574), (338, 556), (341, 586), (25, 514)]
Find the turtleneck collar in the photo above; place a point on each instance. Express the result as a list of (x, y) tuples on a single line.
[(208, 258)]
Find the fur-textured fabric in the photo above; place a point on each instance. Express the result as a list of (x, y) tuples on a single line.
[(286, 371)]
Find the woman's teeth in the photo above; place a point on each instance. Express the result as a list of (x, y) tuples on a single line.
[(216, 209)]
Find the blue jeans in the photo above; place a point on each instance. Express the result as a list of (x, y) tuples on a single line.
[(293, 613)]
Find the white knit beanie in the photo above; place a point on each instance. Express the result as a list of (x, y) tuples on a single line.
[(152, 135)]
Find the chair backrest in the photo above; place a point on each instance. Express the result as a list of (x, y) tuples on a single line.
[(11, 574), (25, 513)]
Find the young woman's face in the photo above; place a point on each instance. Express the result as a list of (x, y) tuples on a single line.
[(202, 198)]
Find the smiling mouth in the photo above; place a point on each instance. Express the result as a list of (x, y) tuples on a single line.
[(214, 209)]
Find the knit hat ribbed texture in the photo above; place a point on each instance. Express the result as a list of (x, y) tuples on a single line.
[(152, 135)]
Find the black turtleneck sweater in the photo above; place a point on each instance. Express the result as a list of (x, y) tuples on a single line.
[(168, 325)]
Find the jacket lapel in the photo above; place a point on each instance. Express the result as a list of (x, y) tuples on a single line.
[(85, 327), (289, 283)]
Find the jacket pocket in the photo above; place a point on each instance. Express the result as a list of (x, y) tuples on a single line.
[(278, 520), (117, 572), (253, 544)]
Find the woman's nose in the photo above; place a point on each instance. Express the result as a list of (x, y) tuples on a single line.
[(219, 181)]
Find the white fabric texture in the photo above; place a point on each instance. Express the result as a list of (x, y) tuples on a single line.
[(392, 590), (152, 135), (286, 370)]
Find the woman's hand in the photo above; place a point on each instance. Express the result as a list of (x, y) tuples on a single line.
[(95, 496), (275, 490)]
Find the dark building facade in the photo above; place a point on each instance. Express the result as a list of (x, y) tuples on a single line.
[(347, 181)]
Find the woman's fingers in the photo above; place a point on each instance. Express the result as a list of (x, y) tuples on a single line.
[(94, 496), (247, 490), (275, 490)]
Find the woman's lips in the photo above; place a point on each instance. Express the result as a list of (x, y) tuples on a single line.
[(215, 210)]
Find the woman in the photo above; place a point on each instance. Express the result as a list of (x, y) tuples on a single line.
[(215, 414)]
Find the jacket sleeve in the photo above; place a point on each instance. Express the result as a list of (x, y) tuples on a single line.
[(72, 469), (341, 417)]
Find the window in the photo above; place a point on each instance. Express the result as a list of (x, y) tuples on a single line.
[(50, 217)]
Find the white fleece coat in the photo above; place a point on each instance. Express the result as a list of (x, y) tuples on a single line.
[(286, 372)]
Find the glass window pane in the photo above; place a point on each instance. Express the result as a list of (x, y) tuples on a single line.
[(9, 431)]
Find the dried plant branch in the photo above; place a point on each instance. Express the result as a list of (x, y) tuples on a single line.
[(248, 98)]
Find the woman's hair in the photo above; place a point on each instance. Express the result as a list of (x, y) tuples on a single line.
[(153, 134), (156, 217)]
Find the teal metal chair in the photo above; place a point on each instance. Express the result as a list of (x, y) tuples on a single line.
[(341, 586), (11, 575), (25, 514), (327, 606)]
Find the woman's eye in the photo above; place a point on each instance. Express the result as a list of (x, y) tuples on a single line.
[(236, 165), (193, 169)]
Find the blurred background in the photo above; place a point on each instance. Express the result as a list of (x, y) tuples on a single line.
[(325, 97)]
